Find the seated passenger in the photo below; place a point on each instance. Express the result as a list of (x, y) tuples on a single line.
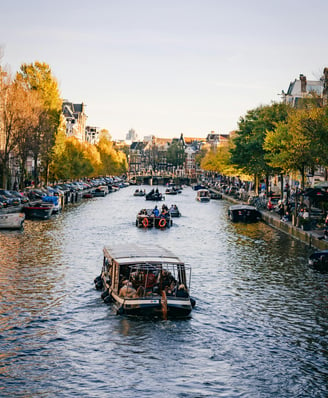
[(150, 280), (156, 211), (140, 292), (127, 290), (182, 291)]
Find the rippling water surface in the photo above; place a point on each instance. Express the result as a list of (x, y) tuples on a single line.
[(259, 328)]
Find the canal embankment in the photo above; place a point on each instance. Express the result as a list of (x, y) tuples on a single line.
[(313, 238)]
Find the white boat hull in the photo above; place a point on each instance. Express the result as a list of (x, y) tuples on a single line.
[(12, 220)]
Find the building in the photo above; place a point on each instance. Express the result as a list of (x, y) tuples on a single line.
[(92, 134), (302, 89), (76, 118), (131, 135)]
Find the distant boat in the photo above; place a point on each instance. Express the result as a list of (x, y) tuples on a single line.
[(203, 195), (12, 220), (38, 210), (174, 211), (145, 281), (154, 195), (243, 213), (139, 192), (319, 260)]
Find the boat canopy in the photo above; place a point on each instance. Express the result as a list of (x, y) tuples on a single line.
[(132, 254)]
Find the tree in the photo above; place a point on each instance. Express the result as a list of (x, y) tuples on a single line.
[(113, 162), (299, 143), (248, 152), (19, 112), (28, 107), (175, 154), (38, 77)]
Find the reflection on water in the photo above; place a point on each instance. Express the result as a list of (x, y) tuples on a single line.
[(259, 327)]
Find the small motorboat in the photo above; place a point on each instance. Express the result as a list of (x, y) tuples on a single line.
[(203, 195), (319, 260), (171, 191), (243, 213), (38, 210), (196, 187), (55, 200), (147, 219), (215, 195), (146, 281), (154, 195), (174, 211), (139, 192), (99, 192), (12, 220)]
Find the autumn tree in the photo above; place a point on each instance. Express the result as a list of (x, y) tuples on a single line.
[(38, 77), (20, 109), (248, 152), (28, 107), (300, 143), (113, 162)]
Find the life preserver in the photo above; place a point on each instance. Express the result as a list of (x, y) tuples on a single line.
[(162, 223), (145, 222)]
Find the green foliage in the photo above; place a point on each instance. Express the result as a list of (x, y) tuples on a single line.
[(248, 152), (175, 154), (113, 162), (300, 142)]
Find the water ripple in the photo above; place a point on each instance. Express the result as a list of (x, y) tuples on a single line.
[(259, 328)]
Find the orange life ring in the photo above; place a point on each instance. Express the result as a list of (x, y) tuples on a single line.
[(145, 222), (162, 222)]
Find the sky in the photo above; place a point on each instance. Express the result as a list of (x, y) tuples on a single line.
[(168, 67)]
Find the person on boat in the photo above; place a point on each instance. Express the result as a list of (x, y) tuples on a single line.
[(127, 290), (182, 291), (140, 292), (166, 280), (156, 211), (150, 280)]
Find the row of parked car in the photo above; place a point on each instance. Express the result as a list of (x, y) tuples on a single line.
[(15, 198)]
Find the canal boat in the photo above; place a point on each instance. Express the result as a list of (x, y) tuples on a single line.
[(243, 213), (99, 192), (38, 210), (171, 191), (139, 192), (319, 260), (154, 195), (12, 220), (55, 200), (174, 211), (145, 281), (147, 219), (215, 194), (203, 195)]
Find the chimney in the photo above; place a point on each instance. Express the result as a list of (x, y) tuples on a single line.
[(303, 83)]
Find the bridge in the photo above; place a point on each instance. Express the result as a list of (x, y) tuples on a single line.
[(159, 179)]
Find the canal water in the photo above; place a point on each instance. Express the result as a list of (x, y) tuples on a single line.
[(259, 328)]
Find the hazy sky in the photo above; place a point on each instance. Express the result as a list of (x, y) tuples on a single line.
[(168, 67)]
